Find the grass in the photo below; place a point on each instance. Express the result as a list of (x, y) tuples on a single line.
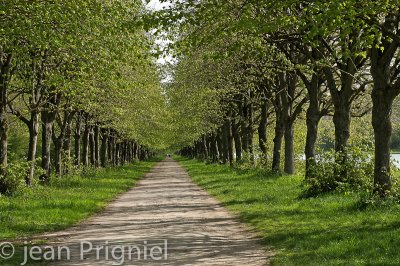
[(328, 230), (63, 203)]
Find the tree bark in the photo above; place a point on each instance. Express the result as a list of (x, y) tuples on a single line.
[(92, 147), (78, 130), (228, 129), (66, 147), (289, 167), (97, 145), (386, 89), (262, 129), (85, 151), (33, 138), (3, 138), (313, 117), (58, 155), (104, 147), (250, 132), (48, 119), (5, 77), (237, 140), (290, 112), (381, 122), (279, 131)]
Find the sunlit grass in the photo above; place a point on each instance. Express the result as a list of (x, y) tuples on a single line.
[(328, 230)]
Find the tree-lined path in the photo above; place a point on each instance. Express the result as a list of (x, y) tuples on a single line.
[(167, 205)]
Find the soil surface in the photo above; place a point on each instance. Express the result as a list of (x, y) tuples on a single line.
[(165, 219)]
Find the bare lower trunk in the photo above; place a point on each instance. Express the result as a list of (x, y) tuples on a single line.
[(311, 140), (220, 145), (33, 138), (97, 145), (92, 148), (279, 131), (47, 129), (251, 133), (104, 147), (66, 149), (58, 156), (237, 140), (85, 151), (313, 117), (289, 167), (214, 148), (225, 152), (205, 147), (5, 78), (381, 122), (341, 120), (262, 129), (3, 139), (78, 141)]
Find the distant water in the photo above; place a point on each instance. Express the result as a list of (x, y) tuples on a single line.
[(396, 157)]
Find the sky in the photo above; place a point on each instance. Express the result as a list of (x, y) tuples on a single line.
[(156, 5)]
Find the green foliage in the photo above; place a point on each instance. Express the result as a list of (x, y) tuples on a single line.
[(13, 177), (347, 172)]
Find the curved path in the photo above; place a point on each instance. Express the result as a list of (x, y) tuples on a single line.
[(164, 207)]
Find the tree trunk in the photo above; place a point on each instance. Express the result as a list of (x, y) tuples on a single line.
[(135, 151), (244, 129), (85, 151), (5, 77), (228, 129), (66, 148), (250, 133), (97, 145), (313, 117), (78, 139), (213, 148), (205, 147), (33, 138), (279, 131), (220, 145), (289, 167), (381, 122), (262, 129), (92, 147), (58, 155), (225, 148), (341, 120), (238, 141), (104, 147), (47, 130), (3, 139)]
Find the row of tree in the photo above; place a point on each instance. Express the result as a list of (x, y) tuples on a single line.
[(79, 69), (244, 64)]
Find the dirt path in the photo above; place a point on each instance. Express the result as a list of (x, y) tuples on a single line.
[(165, 206)]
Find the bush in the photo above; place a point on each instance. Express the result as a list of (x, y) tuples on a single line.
[(349, 171), (13, 177)]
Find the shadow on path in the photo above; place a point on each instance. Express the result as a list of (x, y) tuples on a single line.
[(164, 206)]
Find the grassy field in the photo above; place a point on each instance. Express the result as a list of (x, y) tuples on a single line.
[(62, 203), (328, 230)]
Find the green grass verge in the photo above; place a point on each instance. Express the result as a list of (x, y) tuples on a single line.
[(62, 203), (328, 230)]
